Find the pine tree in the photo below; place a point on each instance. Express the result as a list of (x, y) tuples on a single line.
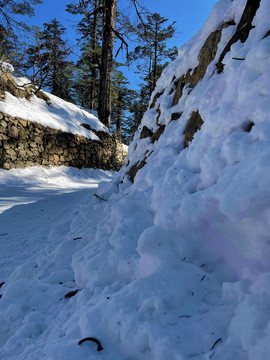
[(56, 57), (106, 67), (10, 8), (48, 58), (152, 51), (122, 97), (11, 25), (89, 29), (136, 109)]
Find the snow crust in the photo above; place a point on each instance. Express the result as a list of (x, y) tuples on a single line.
[(175, 266)]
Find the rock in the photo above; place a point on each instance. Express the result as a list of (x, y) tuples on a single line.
[(267, 34), (23, 154), (242, 32), (179, 89), (11, 152), (30, 163), (56, 158), (14, 132), (19, 164), (135, 168), (145, 133), (23, 122), (155, 98), (176, 116), (158, 133), (6, 166), (193, 125), (38, 140), (4, 123), (3, 137)]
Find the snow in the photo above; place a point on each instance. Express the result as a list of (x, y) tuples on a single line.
[(60, 114), (174, 266), (4, 66)]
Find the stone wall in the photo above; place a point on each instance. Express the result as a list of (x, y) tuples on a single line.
[(26, 143)]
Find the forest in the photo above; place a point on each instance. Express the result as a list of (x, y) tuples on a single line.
[(90, 72)]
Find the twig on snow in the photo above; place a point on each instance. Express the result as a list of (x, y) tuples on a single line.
[(99, 347)]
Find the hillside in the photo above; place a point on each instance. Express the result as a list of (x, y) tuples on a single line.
[(172, 260)]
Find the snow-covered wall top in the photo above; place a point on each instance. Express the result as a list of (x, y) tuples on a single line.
[(55, 113)]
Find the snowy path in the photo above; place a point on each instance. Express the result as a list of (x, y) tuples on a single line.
[(57, 238), (25, 227), (39, 220)]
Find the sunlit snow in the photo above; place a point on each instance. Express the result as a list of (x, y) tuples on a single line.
[(175, 266)]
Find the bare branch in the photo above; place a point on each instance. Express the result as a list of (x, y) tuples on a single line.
[(120, 37)]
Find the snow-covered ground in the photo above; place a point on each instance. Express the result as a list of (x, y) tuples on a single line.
[(174, 266), (44, 219)]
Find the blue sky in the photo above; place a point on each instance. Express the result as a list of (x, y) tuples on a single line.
[(189, 15)]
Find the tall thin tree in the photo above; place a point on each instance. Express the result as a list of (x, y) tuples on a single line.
[(108, 35)]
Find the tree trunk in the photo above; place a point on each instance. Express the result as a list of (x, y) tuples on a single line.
[(94, 70), (155, 57), (104, 103), (119, 114)]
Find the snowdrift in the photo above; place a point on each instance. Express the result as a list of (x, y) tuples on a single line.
[(176, 262)]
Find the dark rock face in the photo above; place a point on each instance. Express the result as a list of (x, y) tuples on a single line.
[(145, 133), (158, 133), (193, 125), (155, 99), (26, 143), (135, 168), (206, 56), (242, 31), (267, 34), (248, 127), (176, 116)]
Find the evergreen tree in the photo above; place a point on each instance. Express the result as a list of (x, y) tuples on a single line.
[(136, 109), (10, 8), (152, 51), (49, 60), (10, 26), (152, 55), (89, 29), (122, 97), (55, 56), (106, 67)]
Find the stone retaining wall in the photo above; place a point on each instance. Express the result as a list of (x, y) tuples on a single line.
[(26, 143)]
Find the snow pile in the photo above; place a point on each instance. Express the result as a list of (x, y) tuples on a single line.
[(176, 265), (60, 114), (5, 67)]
